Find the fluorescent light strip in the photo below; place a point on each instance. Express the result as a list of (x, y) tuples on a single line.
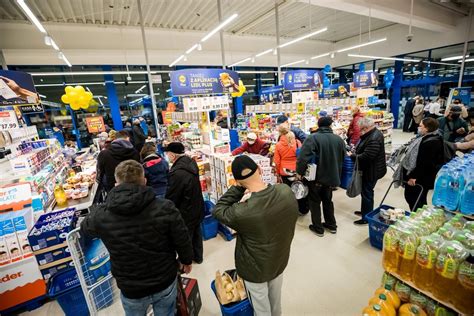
[(140, 89), (438, 63), (264, 52), (303, 37), (240, 62), (53, 43), (467, 60), (31, 16), (93, 73), (453, 58), (319, 56), (361, 45), (219, 27), (293, 63), (176, 60), (264, 79), (384, 58), (83, 83), (192, 48), (63, 57)]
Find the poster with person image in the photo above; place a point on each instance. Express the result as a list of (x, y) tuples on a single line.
[(17, 88)]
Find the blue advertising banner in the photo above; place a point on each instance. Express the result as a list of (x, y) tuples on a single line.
[(303, 79), (17, 88), (364, 79), (463, 94), (274, 94), (204, 81), (337, 91)]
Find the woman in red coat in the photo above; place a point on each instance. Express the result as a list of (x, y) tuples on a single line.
[(353, 133)]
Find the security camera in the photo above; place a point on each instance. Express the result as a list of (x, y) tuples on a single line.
[(409, 37)]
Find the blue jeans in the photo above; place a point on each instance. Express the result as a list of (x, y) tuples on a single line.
[(367, 195), (164, 303)]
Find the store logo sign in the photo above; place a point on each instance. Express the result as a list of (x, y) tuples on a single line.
[(8, 277)]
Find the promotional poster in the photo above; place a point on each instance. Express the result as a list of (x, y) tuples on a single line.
[(17, 88), (364, 79), (337, 91), (463, 94), (204, 81), (274, 94), (303, 79)]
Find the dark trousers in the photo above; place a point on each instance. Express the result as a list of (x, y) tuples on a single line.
[(321, 194), (367, 195), (302, 203), (411, 195), (195, 234)]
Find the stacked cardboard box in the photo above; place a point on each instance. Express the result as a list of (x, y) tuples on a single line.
[(221, 174)]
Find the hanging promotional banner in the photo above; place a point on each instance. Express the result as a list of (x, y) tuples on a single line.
[(303, 79), (204, 81), (273, 94), (337, 91), (463, 94), (17, 88), (366, 79), (8, 120), (30, 109), (95, 124)]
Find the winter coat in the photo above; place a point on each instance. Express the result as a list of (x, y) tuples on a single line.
[(138, 137), (299, 134), (108, 159), (354, 130), (417, 113), (260, 147), (328, 151), (371, 155), (265, 225), (285, 156), (184, 189), (448, 128), (143, 235), (156, 173), (428, 162)]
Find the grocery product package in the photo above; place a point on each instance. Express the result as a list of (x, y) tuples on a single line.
[(229, 289)]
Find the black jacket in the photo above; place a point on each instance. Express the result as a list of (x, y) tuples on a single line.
[(184, 189), (156, 173), (371, 155), (108, 159), (428, 162), (143, 234), (138, 137), (327, 151)]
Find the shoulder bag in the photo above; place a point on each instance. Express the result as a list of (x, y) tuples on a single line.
[(355, 185)]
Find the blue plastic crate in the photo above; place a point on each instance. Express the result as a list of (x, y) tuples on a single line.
[(66, 289), (225, 232), (377, 227), (242, 308), (209, 227)]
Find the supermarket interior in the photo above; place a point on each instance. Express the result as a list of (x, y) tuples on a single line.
[(237, 158)]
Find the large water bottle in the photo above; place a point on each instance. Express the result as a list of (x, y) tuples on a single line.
[(441, 186), (467, 199), (456, 185)]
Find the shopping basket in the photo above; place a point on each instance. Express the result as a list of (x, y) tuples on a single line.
[(377, 226), (242, 308), (97, 283), (65, 287)]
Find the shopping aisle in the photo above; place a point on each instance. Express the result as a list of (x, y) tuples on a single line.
[(333, 275)]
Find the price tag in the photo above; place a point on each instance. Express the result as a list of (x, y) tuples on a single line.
[(8, 120), (300, 107)]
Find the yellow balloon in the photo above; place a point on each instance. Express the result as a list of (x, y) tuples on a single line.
[(84, 105), (75, 106), (92, 108), (73, 96), (65, 98), (68, 89), (79, 89), (88, 95), (82, 99)]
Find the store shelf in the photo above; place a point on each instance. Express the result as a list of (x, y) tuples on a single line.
[(426, 293)]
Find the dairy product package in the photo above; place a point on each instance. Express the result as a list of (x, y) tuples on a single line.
[(22, 235), (11, 240)]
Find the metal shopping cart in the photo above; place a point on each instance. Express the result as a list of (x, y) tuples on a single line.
[(92, 264)]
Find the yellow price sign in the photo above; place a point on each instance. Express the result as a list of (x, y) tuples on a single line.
[(300, 108), (360, 101)]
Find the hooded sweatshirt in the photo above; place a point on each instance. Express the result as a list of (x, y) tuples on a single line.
[(260, 147), (156, 173), (108, 159)]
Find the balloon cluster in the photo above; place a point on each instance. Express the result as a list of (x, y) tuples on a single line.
[(326, 81), (388, 78), (77, 97), (241, 91), (361, 67)]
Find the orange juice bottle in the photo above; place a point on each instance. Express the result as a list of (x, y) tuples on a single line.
[(447, 264), (382, 300), (406, 250), (390, 243), (392, 296), (463, 294), (423, 272), (60, 195), (373, 310)]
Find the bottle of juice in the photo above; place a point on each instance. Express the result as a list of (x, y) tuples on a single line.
[(60, 195), (447, 231), (392, 296), (373, 310), (419, 299), (407, 245), (463, 294), (388, 279), (458, 222), (411, 310), (390, 244), (381, 300), (426, 255), (403, 291)]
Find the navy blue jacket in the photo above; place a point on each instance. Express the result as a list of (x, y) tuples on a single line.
[(299, 134), (156, 173)]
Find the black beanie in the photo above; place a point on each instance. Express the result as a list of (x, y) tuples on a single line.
[(325, 121)]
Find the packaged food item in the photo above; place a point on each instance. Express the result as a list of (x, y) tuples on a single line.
[(11, 240), (407, 244), (22, 235), (390, 244), (387, 308), (458, 221), (403, 291), (426, 255), (4, 253), (373, 310), (463, 294), (392, 296), (60, 196), (447, 231), (411, 310)]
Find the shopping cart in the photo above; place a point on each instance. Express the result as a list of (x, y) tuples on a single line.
[(98, 285)]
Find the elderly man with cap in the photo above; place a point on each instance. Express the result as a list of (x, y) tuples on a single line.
[(452, 126), (327, 150), (253, 145), (265, 223), (299, 134), (184, 189)]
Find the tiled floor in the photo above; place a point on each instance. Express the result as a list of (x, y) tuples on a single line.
[(333, 275)]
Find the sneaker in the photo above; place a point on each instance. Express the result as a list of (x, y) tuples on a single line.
[(319, 233), (358, 213), (361, 222), (331, 229)]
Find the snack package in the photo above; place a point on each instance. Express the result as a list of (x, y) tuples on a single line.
[(4, 254), (11, 240)]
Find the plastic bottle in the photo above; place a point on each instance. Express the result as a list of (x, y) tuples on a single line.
[(466, 239), (390, 244), (419, 299), (403, 291), (426, 256), (458, 221), (382, 300), (463, 294), (373, 310), (455, 188), (392, 296), (447, 231), (407, 245), (467, 199), (441, 186), (388, 279), (411, 310), (59, 195)]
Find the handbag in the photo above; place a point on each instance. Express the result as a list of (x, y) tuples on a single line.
[(355, 186)]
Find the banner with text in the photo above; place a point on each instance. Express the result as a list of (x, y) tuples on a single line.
[(17, 88), (337, 91), (366, 79), (95, 124), (463, 94), (204, 81), (303, 79)]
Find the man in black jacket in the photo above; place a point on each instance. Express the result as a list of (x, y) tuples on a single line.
[(120, 150), (409, 105), (138, 136), (143, 236), (328, 151), (184, 189), (370, 157)]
